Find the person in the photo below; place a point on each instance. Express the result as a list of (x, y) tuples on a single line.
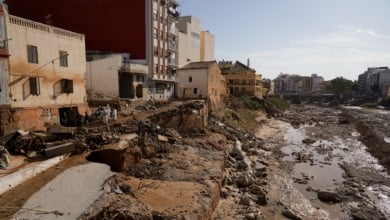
[(86, 119), (108, 109), (114, 114), (105, 115)]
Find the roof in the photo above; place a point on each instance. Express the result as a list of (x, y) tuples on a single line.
[(198, 65)]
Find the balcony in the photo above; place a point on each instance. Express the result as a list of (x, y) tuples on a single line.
[(134, 68), (172, 61)]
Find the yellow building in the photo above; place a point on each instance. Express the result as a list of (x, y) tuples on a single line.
[(241, 79)]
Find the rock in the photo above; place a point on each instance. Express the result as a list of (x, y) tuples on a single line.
[(246, 200), (245, 180), (261, 199), (291, 215), (256, 190), (242, 165), (329, 197), (308, 141), (344, 120)]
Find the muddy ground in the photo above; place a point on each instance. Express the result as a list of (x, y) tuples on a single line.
[(307, 163)]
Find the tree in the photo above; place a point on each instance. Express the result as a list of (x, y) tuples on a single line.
[(340, 86)]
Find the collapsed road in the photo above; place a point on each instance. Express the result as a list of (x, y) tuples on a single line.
[(308, 163)]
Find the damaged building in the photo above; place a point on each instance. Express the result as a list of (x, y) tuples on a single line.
[(42, 74), (144, 29), (114, 77)]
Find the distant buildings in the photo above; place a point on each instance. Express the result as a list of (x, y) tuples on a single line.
[(194, 44), (42, 72), (374, 80), (296, 84), (241, 79)]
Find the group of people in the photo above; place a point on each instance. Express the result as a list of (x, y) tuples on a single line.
[(105, 113)]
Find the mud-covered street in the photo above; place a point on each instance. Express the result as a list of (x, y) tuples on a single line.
[(308, 162)]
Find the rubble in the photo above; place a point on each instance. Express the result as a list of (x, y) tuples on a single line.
[(4, 158)]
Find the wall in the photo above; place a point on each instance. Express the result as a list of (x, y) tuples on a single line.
[(33, 111), (207, 46), (102, 78), (186, 88), (189, 40), (108, 25), (48, 69)]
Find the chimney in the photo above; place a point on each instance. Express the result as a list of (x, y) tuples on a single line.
[(247, 63)]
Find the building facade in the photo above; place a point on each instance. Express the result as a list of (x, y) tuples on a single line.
[(241, 79), (374, 79), (111, 77), (145, 29), (43, 79), (195, 45), (296, 84)]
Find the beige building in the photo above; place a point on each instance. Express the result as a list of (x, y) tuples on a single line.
[(43, 80), (113, 77), (241, 79), (195, 45), (201, 80)]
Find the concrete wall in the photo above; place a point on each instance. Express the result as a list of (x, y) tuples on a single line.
[(189, 40), (207, 46), (102, 78)]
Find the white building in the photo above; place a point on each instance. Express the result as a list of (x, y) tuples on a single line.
[(195, 45)]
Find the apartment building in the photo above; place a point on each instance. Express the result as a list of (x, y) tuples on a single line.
[(241, 79), (42, 76), (374, 79), (144, 29), (195, 45), (296, 84)]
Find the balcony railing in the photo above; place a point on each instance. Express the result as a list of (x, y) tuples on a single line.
[(44, 28)]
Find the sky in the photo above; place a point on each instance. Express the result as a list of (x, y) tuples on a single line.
[(332, 38)]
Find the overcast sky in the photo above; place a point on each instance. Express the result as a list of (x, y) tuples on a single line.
[(328, 37)]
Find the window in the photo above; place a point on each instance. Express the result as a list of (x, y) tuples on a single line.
[(63, 86), (32, 54), (63, 58), (31, 87), (190, 79), (67, 86), (195, 90)]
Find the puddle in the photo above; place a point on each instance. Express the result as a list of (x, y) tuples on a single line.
[(320, 165)]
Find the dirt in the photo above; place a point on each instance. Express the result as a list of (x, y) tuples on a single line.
[(309, 163)]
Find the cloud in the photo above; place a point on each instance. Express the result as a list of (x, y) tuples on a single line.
[(347, 52)]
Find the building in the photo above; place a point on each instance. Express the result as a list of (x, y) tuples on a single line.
[(194, 44), (241, 79), (201, 80), (296, 84), (42, 74), (144, 29), (374, 81), (316, 83), (111, 77)]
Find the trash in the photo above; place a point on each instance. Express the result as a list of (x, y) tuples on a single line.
[(4, 158), (55, 149)]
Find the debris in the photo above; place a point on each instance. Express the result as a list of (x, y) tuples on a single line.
[(162, 138), (329, 196), (54, 149), (4, 158)]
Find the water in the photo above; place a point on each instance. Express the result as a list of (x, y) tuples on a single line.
[(320, 166)]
